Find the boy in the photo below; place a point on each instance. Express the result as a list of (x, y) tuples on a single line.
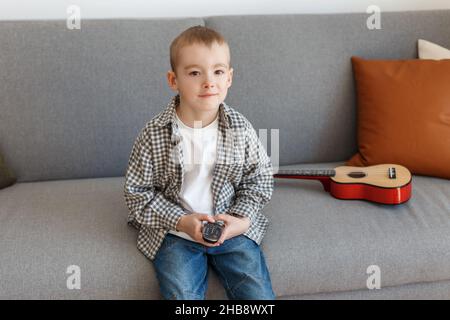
[(201, 161)]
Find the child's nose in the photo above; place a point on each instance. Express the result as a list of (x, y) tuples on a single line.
[(208, 81), (208, 84)]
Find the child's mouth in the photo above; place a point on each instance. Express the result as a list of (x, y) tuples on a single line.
[(207, 95)]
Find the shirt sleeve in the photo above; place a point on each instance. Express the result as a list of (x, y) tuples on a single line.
[(256, 186), (147, 206)]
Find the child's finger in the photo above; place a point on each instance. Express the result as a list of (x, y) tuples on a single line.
[(223, 237), (206, 217), (222, 217)]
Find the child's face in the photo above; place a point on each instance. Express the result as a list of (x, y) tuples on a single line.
[(203, 76)]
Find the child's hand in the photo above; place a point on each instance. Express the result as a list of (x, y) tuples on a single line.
[(233, 226), (192, 224)]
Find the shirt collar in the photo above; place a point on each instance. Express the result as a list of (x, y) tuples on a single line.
[(169, 114)]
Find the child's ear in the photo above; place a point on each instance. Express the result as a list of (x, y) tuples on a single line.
[(172, 80), (230, 77)]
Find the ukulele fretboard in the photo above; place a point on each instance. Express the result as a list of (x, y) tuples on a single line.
[(308, 172)]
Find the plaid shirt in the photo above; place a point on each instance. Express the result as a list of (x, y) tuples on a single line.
[(242, 178)]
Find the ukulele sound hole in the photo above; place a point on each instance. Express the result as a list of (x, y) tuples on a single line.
[(356, 175)]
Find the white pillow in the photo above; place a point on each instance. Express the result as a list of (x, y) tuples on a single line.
[(430, 50)]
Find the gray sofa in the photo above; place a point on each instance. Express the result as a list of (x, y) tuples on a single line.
[(73, 101)]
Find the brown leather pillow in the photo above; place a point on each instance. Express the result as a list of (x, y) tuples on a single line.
[(403, 114)]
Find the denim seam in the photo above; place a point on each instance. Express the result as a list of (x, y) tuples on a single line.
[(213, 261), (205, 281), (239, 284)]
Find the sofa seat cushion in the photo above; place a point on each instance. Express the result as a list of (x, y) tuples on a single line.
[(315, 243), (45, 227)]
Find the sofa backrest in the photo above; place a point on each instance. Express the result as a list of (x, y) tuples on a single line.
[(73, 101)]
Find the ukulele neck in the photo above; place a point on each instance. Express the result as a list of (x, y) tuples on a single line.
[(306, 173), (322, 175)]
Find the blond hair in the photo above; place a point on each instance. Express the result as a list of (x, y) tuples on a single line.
[(194, 35)]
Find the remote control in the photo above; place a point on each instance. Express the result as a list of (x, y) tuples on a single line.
[(212, 231)]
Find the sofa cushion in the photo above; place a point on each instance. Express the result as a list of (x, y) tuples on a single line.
[(45, 227), (73, 101), (430, 50), (298, 65), (315, 243), (404, 114)]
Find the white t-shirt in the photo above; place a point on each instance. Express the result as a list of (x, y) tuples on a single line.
[(199, 157)]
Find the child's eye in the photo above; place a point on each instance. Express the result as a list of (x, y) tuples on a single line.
[(194, 73), (220, 72)]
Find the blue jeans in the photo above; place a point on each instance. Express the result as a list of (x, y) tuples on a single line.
[(182, 269)]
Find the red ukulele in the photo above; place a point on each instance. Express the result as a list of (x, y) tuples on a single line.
[(384, 183)]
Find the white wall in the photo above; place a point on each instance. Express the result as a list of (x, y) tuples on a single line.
[(56, 9)]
